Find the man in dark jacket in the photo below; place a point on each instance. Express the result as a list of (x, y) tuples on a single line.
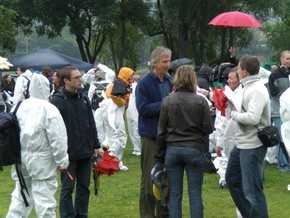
[(150, 92), (82, 143), (278, 84)]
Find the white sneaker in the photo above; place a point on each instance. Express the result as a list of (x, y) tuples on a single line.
[(136, 153), (122, 166)]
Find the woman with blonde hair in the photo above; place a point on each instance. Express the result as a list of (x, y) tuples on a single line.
[(184, 121)]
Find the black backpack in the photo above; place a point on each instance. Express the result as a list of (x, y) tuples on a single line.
[(26, 92), (97, 96), (10, 147)]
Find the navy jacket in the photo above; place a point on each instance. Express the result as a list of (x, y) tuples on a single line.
[(79, 121), (149, 94)]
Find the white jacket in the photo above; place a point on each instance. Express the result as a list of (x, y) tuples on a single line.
[(43, 134), (285, 117), (254, 111), (21, 86)]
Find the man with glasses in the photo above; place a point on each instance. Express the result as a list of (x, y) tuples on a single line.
[(83, 141)]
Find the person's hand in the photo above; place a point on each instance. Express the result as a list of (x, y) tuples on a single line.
[(219, 151), (232, 51), (160, 156), (203, 92), (97, 152), (59, 169)]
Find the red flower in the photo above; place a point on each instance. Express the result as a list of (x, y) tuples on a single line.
[(220, 100)]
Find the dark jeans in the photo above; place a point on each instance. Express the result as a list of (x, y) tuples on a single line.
[(178, 159), (147, 202), (244, 177), (81, 172)]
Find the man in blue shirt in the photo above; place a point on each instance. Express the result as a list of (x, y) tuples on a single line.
[(150, 92)]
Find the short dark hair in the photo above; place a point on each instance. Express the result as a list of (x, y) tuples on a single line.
[(66, 74), (22, 68), (250, 63), (46, 71)]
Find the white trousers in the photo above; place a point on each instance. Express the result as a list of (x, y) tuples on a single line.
[(134, 135), (41, 196)]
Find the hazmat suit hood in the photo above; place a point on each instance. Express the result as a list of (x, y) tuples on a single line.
[(125, 73), (39, 87)]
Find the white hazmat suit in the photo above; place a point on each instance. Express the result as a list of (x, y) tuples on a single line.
[(43, 149), (285, 117), (21, 86), (132, 122)]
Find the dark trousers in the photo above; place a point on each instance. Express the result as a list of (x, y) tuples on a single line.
[(149, 207), (81, 172)]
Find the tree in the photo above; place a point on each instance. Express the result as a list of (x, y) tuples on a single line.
[(89, 20), (8, 30), (277, 29)]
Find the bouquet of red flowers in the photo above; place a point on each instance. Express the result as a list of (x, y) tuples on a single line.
[(220, 100)]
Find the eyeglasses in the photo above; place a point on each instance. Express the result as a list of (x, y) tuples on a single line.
[(77, 77)]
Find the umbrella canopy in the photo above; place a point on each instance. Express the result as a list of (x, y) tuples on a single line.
[(178, 62), (48, 57), (235, 19)]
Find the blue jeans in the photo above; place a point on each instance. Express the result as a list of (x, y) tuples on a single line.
[(244, 177), (192, 160)]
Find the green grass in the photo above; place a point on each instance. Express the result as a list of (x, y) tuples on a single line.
[(119, 193)]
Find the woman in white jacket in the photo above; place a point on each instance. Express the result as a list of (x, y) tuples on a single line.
[(43, 151)]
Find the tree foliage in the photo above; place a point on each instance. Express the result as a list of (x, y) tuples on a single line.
[(112, 29), (8, 29)]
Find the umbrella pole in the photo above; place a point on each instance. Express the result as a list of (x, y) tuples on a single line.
[(223, 44), (231, 39)]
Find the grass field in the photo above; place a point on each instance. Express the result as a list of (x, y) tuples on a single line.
[(119, 193)]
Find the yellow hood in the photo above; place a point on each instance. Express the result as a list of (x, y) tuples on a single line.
[(125, 73)]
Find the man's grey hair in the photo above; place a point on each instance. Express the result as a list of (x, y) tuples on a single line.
[(158, 53)]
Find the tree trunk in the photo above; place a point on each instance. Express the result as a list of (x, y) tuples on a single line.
[(122, 32), (81, 48), (114, 55), (181, 30)]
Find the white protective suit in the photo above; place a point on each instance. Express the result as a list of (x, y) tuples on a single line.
[(103, 74), (285, 117), (225, 130), (132, 122), (43, 148), (21, 86), (109, 119)]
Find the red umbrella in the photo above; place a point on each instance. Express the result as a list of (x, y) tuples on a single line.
[(235, 19)]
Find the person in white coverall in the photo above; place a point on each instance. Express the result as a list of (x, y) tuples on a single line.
[(21, 86), (285, 117), (109, 117), (225, 141), (43, 141), (101, 73), (132, 118)]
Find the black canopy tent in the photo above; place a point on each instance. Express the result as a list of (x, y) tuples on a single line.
[(48, 57)]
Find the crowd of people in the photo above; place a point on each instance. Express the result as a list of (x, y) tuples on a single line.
[(172, 120)]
